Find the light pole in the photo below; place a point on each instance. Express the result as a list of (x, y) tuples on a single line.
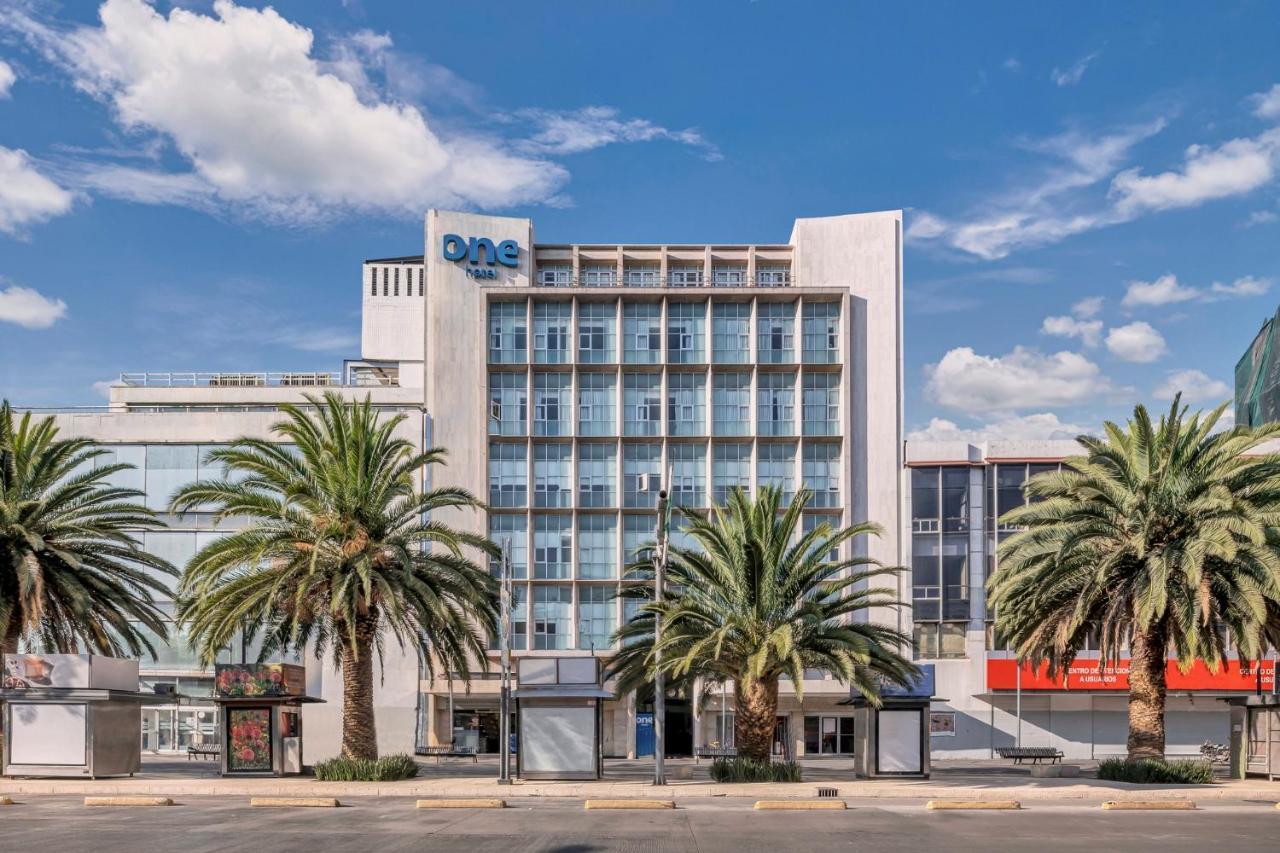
[(659, 681), (504, 642)]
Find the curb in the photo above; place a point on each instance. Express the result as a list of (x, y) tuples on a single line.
[(127, 801), (461, 804), (972, 805), (592, 805), (294, 802), (1148, 805), (800, 805), (6, 801)]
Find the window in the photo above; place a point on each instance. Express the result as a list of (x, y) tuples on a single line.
[(396, 283), (938, 640), (772, 276), (924, 500), (821, 404), (638, 461), (642, 404), (813, 520), (509, 400), (552, 546), (597, 404), (686, 333), (596, 341), (729, 276), (821, 473), (731, 404), (520, 617), (508, 475), (169, 467), (942, 723), (386, 278), (821, 332), (552, 612), (599, 276), (508, 333), (420, 282), (515, 529), (641, 275), (597, 547), (596, 610), (688, 474), (596, 479), (775, 332), (638, 531), (775, 404), (828, 735), (551, 332), (955, 499), (555, 275), (552, 414), (630, 610), (730, 333), (730, 469), (551, 475), (686, 404), (776, 467), (642, 333), (373, 281), (684, 276)]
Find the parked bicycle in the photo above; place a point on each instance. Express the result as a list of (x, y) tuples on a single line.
[(1216, 753)]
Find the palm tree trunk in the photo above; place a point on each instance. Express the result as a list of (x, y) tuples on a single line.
[(359, 730), (1147, 692), (755, 716)]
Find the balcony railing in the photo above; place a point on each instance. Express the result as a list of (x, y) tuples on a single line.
[(578, 281), (229, 380)]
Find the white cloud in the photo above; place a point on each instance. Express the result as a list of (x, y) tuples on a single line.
[(266, 127), (1088, 307), (103, 387), (1244, 286), (7, 77), (1266, 105), (1073, 74), (593, 127), (1232, 168), (1261, 217), (29, 308), (1040, 426), (26, 196), (1022, 379), (1012, 64), (1163, 291), (1088, 331), (1138, 342), (1194, 385)]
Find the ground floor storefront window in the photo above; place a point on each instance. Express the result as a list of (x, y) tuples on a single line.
[(828, 735)]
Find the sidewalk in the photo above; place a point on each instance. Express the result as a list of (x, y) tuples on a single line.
[(629, 779)]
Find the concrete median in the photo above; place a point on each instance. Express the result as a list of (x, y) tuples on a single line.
[(128, 801), (294, 803), (460, 803), (592, 805), (973, 805), (1148, 806)]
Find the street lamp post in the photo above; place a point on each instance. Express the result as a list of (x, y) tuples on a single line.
[(504, 641), (659, 681)]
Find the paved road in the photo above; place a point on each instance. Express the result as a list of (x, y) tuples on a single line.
[(64, 825)]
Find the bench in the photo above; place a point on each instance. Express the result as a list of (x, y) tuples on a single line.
[(1034, 754), (702, 752), (450, 752), (211, 752)]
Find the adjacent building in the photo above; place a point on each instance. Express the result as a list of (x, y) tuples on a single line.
[(1258, 379), (564, 379)]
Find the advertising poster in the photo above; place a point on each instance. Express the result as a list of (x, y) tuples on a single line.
[(249, 739)]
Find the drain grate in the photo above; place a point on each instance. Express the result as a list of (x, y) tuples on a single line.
[(827, 792)]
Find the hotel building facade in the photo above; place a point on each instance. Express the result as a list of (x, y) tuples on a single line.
[(561, 378)]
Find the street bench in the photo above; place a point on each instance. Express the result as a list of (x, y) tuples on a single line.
[(702, 752), (1034, 754), (211, 752), (449, 752)]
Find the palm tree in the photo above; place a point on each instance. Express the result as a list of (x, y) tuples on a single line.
[(339, 550), (72, 576), (755, 602), (1162, 535)]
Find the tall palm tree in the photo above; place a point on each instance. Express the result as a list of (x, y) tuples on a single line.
[(1161, 535), (339, 550), (755, 602), (72, 576)]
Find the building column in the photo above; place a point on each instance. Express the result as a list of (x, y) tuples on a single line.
[(795, 730), (631, 725), (696, 706), (433, 736)]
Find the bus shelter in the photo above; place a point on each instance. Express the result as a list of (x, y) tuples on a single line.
[(892, 739)]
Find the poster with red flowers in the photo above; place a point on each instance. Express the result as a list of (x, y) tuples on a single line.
[(249, 739), (259, 679)]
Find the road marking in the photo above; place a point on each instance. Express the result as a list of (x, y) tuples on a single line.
[(294, 803)]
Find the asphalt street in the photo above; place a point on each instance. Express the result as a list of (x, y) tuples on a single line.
[(383, 825)]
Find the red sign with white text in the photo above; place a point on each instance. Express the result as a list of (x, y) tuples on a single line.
[(1089, 675)]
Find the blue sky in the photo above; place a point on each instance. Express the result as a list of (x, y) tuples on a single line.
[(1091, 190)]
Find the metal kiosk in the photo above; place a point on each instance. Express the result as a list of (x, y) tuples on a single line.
[(559, 715), (260, 717), (1255, 736), (72, 715), (893, 740)]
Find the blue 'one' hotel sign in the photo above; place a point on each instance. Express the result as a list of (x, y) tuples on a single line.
[(475, 249)]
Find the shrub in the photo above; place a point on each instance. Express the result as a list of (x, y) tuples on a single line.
[(1149, 771), (753, 770), (388, 768)]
